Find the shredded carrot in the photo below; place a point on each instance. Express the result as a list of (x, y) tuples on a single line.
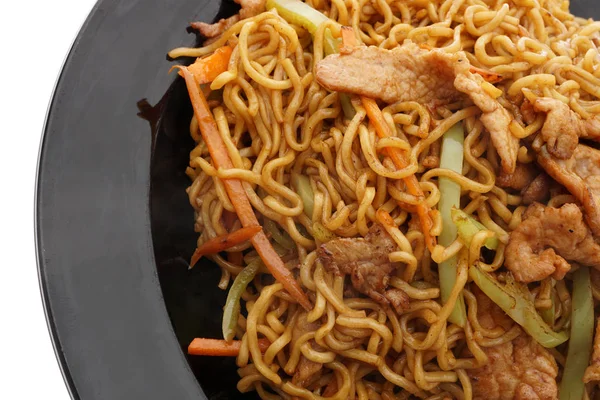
[(385, 219), (206, 70), (396, 155), (217, 347), (489, 76), (222, 243), (237, 194)]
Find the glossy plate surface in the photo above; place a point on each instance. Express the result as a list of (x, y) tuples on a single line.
[(113, 222)]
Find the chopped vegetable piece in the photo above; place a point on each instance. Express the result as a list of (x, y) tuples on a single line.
[(514, 301), (301, 185), (549, 314), (299, 13), (582, 336), (467, 227), (237, 194), (279, 237), (206, 70), (222, 243), (216, 347), (231, 311), (452, 159), (489, 76), (321, 233)]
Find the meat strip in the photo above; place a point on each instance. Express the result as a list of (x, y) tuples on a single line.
[(307, 371), (580, 175), (519, 370), (249, 8), (524, 174), (592, 372), (563, 127), (546, 240), (366, 261), (430, 77), (537, 190)]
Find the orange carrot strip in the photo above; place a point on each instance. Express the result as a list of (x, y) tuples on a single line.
[(489, 76), (383, 130), (237, 194), (412, 183), (222, 243), (217, 347), (207, 69), (385, 218)]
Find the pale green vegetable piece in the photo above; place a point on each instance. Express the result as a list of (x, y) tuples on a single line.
[(279, 237), (452, 159), (467, 227), (582, 337), (301, 185), (321, 233), (515, 302)]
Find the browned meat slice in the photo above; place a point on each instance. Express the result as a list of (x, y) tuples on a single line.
[(592, 372), (213, 30), (546, 239), (517, 370), (538, 190), (521, 369), (580, 175), (249, 8), (564, 127), (410, 73), (399, 299), (364, 259), (524, 174), (307, 371), (405, 73), (494, 117)]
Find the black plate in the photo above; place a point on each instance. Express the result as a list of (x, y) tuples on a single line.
[(112, 218)]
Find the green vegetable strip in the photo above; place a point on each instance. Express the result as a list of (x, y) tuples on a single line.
[(582, 335), (515, 302), (301, 184), (452, 159), (280, 237), (299, 13), (549, 314), (231, 311), (468, 227)]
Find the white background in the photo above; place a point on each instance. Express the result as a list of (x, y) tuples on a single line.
[(35, 37)]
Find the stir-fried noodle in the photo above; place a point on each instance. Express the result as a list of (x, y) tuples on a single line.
[(316, 169)]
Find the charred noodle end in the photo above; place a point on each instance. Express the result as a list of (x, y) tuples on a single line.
[(237, 194)]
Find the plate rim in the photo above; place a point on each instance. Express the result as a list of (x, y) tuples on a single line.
[(193, 390)]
